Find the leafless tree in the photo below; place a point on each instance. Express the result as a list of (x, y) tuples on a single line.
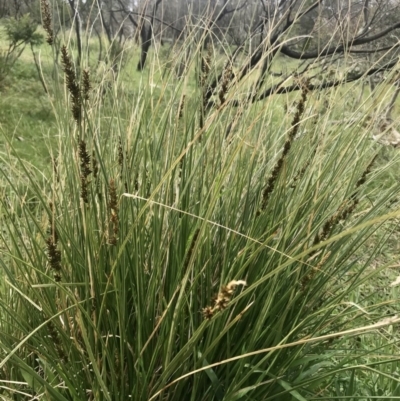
[(315, 33)]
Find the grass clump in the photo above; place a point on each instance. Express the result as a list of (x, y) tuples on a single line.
[(151, 265)]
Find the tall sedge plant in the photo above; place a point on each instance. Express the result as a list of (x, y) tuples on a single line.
[(154, 265)]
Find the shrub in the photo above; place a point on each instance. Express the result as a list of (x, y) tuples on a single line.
[(19, 33)]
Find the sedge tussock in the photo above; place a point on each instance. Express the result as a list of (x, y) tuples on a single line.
[(134, 279)]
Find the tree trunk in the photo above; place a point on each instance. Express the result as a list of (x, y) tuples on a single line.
[(145, 35)]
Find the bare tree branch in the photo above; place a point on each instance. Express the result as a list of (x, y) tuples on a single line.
[(338, 48), (279, 89), (130, 13)]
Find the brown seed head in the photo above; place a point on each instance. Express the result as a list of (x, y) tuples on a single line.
[(113, 210), (222, 299), (72, 84), (47, 21), (120, 157), (95, 166), (54, 257), (226, 79), (221, 303), (84, 158), (208, 312), (363, 177), (181, 106), (270, 185), (86, 86)]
